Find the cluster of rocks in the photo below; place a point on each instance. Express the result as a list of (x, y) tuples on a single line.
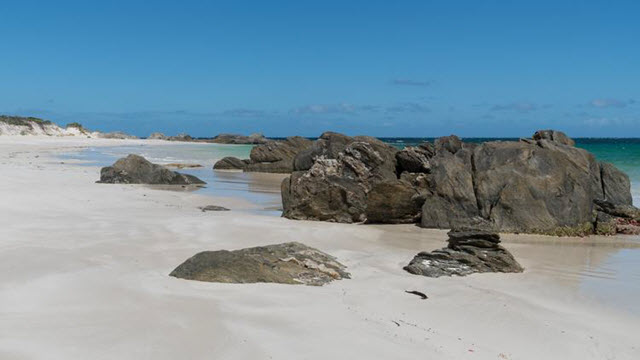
[(252, 139), (468, 252), (135, 169), (543, 184), (116, 135), (287, 263), (272, 157), (179, 137)]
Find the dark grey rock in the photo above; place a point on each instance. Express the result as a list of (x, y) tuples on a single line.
[(555, 136), (451, 201), (468, 252), (615, 185), (541, 185), (415, 159), (530, 188), (403, 207), (230, 163), (288, 263), (213, 208), (277, 156), (135, 169), (240, 139), (449, 143)]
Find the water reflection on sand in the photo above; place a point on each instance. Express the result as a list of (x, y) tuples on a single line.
[(604, 268)]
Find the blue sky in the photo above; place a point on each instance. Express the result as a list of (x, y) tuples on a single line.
[(382, 68)]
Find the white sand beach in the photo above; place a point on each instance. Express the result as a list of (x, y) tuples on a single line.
[(84, 275)]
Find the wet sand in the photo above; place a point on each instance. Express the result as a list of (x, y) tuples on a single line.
[(84, 275)]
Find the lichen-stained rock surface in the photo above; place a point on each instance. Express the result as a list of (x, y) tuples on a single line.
[(468, 252), (135, 169), (287, 263), (336, 189)]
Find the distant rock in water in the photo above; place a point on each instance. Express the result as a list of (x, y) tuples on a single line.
[(539, 185), (468, 252), (116, 135), (135, 169), (270, 157), (240, 139), (288, 263)]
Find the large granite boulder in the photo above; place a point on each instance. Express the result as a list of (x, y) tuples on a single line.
[(539, 185), (240, 139), (230, 163), (451, 199), (404, 207), (288, 263), (468, 252), (335, 189), (135, 169)]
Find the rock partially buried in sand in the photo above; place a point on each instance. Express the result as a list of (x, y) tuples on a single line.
[(213, 208), (469, 251), (287, 263), (135, 169)]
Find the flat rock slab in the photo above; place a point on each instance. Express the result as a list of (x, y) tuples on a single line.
[(213, 208), (469, 251), (287, 263)]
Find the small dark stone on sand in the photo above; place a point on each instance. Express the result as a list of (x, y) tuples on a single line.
[(415, 292), (213, 208)]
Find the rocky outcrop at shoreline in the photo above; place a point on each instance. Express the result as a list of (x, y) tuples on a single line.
[(252, 139), (116, 135), (272, 157), (539, 185), (468, 252), (135, 169), (288, 263)]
